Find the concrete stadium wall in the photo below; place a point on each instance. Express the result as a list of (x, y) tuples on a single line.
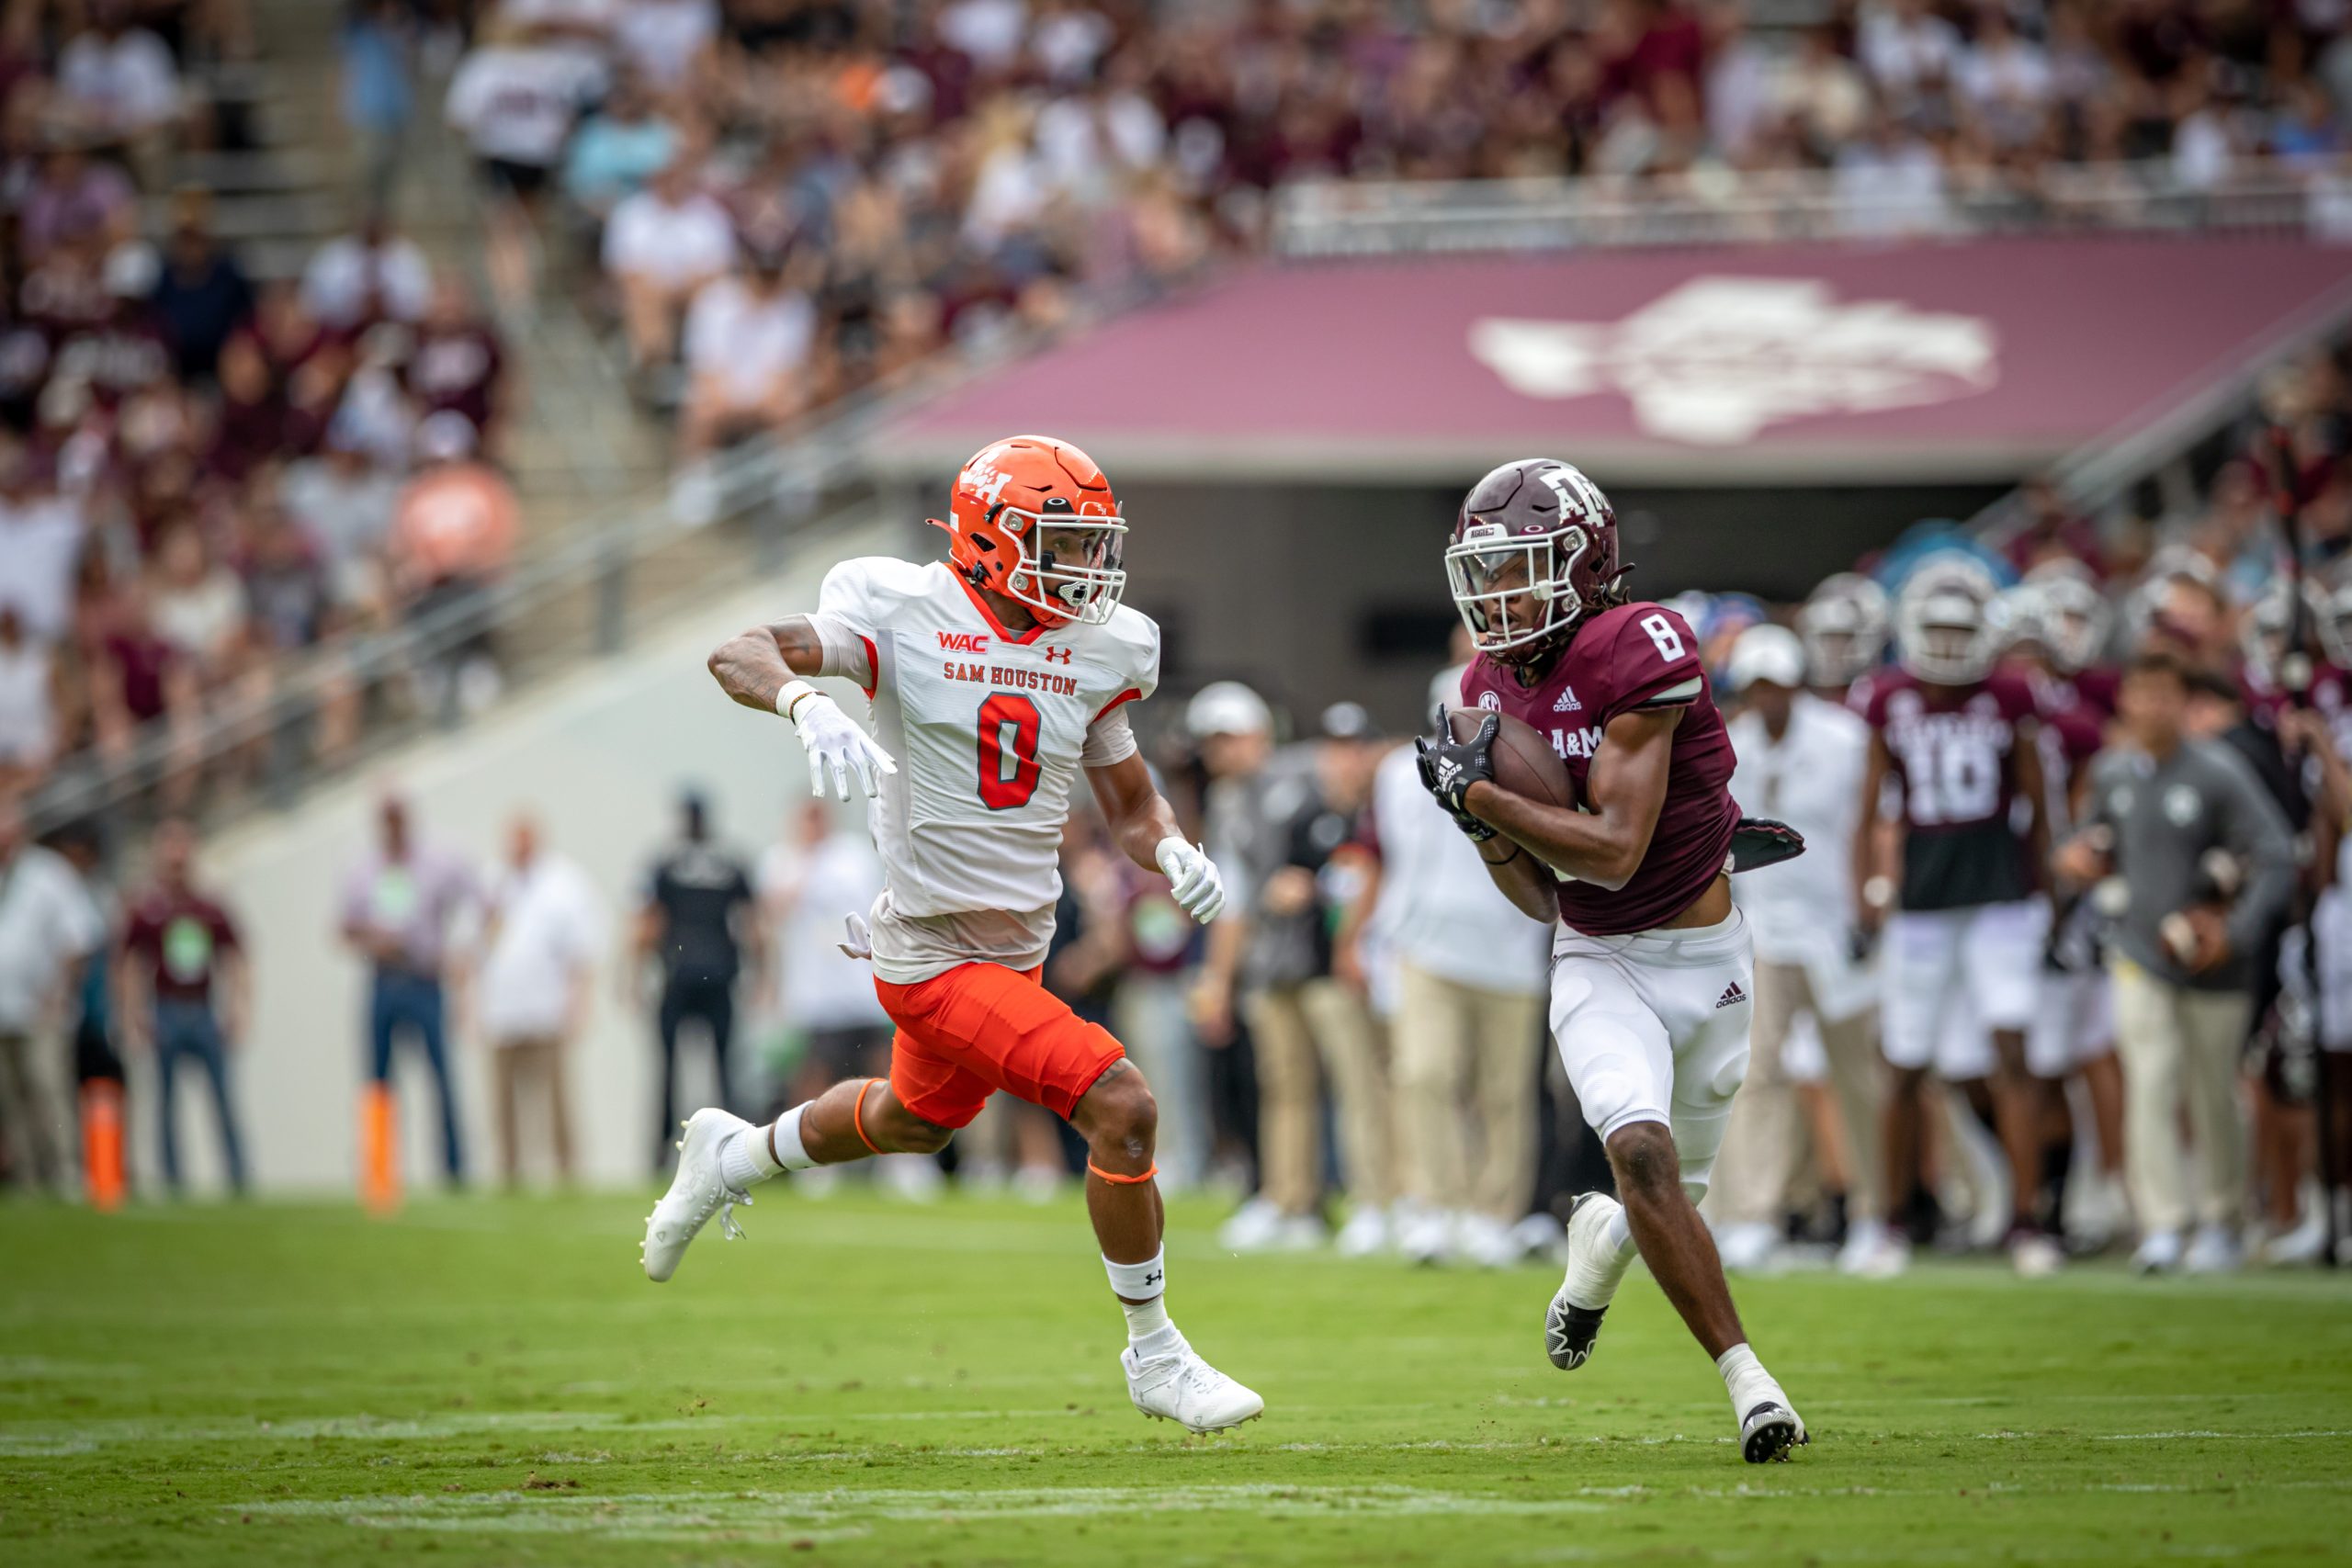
[(599, 756)]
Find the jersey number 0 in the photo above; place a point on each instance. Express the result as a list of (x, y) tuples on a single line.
[(1008, 730)]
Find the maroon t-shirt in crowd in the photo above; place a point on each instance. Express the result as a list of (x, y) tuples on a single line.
[(1632, 657), (178, 938), (1954, 752)]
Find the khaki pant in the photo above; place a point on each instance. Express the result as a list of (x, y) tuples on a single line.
[(1301, 1033), (541, 1061), (1465, 1048), (1766, 1135), (33, 1120), (2178, 1043)]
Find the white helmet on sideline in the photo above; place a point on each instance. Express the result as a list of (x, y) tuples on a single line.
[(1949, 620)]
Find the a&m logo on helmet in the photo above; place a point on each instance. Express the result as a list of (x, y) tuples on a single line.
[(1534, 550)]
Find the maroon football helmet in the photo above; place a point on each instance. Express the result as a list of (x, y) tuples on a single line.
[(1534, 550)]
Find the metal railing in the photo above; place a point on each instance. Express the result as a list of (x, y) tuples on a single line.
[(1721, 206)]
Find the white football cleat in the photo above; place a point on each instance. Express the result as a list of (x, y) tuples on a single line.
[(1366, 1233), (695, 1193), (1769, 1430), (2214, 1250), (1186, 1390), (1594, 1272), (2036, 1254), (1864, 1239), (1750, 1248), (1887, 1260), (2159, 1254)]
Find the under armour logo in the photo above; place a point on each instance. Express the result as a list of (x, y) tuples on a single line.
[(1153, 1278), (1567, 701), (1732, 993), (1057, 656)]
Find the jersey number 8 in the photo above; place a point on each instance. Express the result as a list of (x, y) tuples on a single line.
[(1008, 734)]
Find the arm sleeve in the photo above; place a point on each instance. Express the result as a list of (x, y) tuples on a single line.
[(1110, 738), (2256, 831), (846, 620)]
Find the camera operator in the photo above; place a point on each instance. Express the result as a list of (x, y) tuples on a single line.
[(2187, 922)]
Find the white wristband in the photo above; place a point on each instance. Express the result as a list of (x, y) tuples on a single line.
[(792, 692)]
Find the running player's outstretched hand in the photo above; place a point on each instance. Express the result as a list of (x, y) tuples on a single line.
[(836, 746), (1192, 879)]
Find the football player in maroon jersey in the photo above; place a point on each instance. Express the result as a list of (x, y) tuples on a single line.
[(2058, 625), (1967, 927), (1651, 972)]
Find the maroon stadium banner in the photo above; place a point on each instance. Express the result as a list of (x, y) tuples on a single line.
[(1922, 361)]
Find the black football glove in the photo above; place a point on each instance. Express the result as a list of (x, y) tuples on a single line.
[(1448, 767), (1760, 841)]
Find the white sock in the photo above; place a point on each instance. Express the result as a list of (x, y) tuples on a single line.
[(1141, 1289), (1621, 1236), (745, 1158), (1745, 1377)]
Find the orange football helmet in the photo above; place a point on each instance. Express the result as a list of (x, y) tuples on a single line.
[(1034, 519)]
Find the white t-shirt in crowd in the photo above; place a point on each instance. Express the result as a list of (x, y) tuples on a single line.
[(1437, 909), (746, 344), (201, 619), (806, 892), (660, 37), (342, 275), (517, 105), (28, 704), (47, 925), (128, 85), (546, 926), (671, 246), (989, 32), (40, 546), (1802, 910)]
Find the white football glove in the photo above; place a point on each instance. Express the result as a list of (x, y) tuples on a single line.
[(1192, 879), (861, 939), (836, 746)]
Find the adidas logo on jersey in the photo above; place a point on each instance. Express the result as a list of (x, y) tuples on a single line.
[(1567, 701), (1732, 993)]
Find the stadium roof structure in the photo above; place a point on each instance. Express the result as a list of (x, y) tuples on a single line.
[(1927, 362)]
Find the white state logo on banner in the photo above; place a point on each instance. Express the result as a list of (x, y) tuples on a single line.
[(1716, 360)]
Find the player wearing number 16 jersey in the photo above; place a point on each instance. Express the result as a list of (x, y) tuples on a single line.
[(996, 679), (1651, 968), (1958, 739)]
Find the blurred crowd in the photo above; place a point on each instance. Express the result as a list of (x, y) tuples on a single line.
[(202, 471), (776, 203)]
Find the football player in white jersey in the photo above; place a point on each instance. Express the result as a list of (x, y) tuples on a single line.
[(995, 678)]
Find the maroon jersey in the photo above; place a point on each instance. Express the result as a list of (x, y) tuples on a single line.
[(1954, 752), (2073, 728), (1630, 657), (179, 939), (2330, 692)]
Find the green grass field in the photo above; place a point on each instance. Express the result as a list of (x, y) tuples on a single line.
[(858, 1382)]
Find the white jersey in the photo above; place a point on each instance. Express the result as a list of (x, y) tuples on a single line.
[(990, 730)]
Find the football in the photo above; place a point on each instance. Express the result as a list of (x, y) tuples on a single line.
[(1525, 764)]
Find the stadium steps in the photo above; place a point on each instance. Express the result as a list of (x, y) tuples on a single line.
[(578, 446)]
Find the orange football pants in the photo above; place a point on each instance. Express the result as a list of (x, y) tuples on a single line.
[(981, 1027)]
